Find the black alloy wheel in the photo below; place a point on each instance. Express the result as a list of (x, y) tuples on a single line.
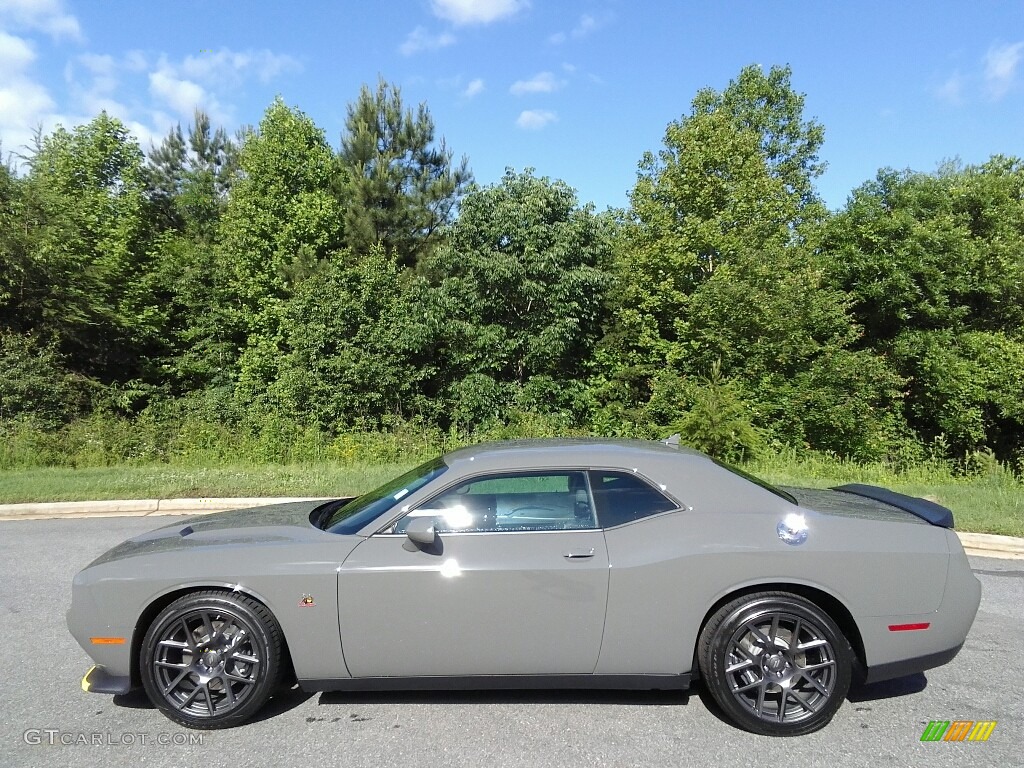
[(211, 659), (776, 663)]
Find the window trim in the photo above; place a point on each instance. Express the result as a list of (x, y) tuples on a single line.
[(537, 471), (656, 487), (385, 530)]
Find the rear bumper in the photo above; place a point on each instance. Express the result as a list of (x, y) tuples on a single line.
[(942, 633), (912, 666), (99, 680)]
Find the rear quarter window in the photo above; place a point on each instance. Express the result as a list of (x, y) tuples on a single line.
[(622, 497)]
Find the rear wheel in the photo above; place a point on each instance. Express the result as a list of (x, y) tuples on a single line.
[(211, 659), (775, 663)]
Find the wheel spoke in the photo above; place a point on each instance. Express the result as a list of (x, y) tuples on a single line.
[(773, 633), (757, 633), (759, 704), (208, 626), (748, 662), (209, 698), (236, 656), (795, 639), (173, 644), (820, 665), (226, 682), (171, 665), (816, 643), (239, 678), (821, 689), (748, 686), (189, 640), (802, 701), (174, 683), (188, 699)]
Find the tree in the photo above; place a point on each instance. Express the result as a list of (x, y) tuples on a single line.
[(933, 265), (717, 266), (767, 105), (282, 221), (517, 297), (401, 189), (189, 181), (85, 247), (350, 341)]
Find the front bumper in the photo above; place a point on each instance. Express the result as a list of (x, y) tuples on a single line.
[(99, 680)]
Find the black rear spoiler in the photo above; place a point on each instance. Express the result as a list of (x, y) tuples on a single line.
[(936, 514)]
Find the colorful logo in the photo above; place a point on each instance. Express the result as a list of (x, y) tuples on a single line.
[(958, 730)]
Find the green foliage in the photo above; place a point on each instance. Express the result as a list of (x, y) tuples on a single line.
[(281, 222), (350, 338), (514, 301), (189, 181), (270, 299), (934, 265), (710, 413), (967, 387), (35, 387), (400, 188), (82, 259)]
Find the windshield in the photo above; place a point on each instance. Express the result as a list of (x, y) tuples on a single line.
[(351, 517), (756, 480)]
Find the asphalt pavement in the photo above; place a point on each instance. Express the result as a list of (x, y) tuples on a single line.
[(46, 719)]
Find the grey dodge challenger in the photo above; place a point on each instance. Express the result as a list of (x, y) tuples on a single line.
[(553, 563)]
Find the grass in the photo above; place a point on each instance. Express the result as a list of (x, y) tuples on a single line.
[(989, 502), (163, 481)]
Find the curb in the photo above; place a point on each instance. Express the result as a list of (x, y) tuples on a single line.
[(976, 544), (137, 507), (990, 545)]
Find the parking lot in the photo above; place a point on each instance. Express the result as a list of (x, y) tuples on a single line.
[(46, 719)]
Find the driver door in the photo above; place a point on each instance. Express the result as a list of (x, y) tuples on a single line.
[(515, 583)]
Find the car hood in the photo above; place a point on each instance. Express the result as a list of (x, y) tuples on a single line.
[(257, 526)]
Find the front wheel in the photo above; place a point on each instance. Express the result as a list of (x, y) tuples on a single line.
[(775, 663), (211, 659)]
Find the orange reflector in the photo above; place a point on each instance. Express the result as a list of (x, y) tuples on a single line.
[(106, 640), (908, 627)]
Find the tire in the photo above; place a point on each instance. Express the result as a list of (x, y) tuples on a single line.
[(765, 681), (211, 659)]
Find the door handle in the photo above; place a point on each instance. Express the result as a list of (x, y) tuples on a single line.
[(578, 555)]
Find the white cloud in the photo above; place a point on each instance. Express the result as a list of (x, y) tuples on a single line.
[(421, 40), (544, 82), (1001, 68), (952, 91), (462, 12), (15, 53), (474, 88), (535, 119), (587, 23), (225, 67), (135, 61), (584, 26), (46, 15), (181, 95), (25, 104)]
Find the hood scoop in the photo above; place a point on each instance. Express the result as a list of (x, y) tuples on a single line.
[(188, 529)]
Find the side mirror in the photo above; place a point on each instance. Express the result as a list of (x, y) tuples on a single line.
[(421, 532)]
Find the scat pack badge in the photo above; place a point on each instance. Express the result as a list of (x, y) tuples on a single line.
[(307, 602)]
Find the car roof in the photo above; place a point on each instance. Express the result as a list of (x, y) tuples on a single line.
[(583, 451)]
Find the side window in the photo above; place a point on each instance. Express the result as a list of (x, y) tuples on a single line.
[(522, 501), (622, 497)]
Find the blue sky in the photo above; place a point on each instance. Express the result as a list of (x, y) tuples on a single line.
[(577, 89)]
